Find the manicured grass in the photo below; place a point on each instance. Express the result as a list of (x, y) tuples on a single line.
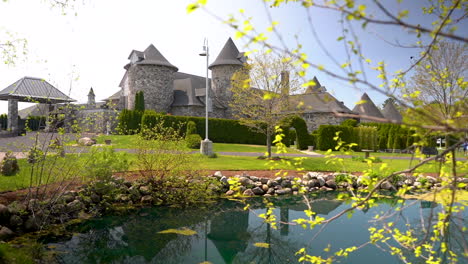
[(131, 142), (225, 147), (380, 154), (73, 166), (309, 164)]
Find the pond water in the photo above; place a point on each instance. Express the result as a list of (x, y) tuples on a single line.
[(225, 233)]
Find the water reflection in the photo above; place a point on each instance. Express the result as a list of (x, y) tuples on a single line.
[(227, 234)]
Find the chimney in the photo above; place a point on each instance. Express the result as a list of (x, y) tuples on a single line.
[(285, 83)]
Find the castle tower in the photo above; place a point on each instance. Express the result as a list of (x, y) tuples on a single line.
[(91, 99), (228, 62), (153, 74)]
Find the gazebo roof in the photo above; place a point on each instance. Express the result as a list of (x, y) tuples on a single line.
[(34, 90)]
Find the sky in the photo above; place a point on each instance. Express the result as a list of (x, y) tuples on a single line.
[(75, 52)]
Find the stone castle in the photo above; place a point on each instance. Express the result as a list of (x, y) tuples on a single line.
[(168, 90)]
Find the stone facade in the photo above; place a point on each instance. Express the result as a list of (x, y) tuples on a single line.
[(97, 120), (155, 81), (221, 81), (13, 115), (314, 120), (193, 110)]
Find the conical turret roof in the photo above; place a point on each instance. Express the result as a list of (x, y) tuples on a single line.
[(367, 108), (91, 92), (390, 112), (154, 57), (229, 55)]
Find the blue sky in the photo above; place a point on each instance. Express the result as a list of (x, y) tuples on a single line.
[(94, 44)]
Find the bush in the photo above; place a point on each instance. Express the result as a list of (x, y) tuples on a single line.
[(350, 122), (300, 134), (9, 165), (129, 122), (139, 101), (191, 128), (221, 130), (104, 161), (193, 141), (34, 123), (326, 133)]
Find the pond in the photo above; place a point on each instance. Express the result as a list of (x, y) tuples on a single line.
[(225, 233)]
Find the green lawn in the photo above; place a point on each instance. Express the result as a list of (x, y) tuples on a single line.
[(309, 164), (72, 166), (130, 142), (379, 154)]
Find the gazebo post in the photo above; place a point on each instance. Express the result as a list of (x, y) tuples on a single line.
[(13, 115)]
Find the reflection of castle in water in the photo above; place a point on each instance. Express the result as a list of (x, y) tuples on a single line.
[(229, 233)]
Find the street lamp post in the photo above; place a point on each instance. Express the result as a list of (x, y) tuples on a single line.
[(206, 146)]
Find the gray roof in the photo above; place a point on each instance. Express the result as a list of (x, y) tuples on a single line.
[(29, 89), (152, 56), (316, 102), (34, 110), (229, 55), (115, 96), (390, 112), (316, 88), (91, 91), (367, 108)]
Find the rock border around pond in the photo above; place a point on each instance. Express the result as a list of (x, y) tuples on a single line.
[(319, 181), (99, 197)]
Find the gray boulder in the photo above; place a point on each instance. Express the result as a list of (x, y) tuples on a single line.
[(284, 191), (330, 184), (4, 214), (86, 141), (321, 181), (386, 185), (16, 221), (5, 233), (258, 191), (248, 192)]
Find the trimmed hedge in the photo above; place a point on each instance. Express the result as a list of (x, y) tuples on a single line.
[(129, 122), (301, 134), (139, 101), (326, 133), (4, 121), (350, 123), (220, 130), (35, 122)]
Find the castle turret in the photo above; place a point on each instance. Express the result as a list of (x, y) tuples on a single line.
[(91, 99), (228, 62), (153, 74)]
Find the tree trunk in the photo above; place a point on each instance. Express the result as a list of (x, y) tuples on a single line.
[(269, 143)]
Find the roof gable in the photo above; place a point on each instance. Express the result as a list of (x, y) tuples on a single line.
[(367, 108), (30, 89)]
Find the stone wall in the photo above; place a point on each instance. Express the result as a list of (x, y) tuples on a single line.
[(197, 111), (314, 120), (97, 120), (156, 82), (221, 80)]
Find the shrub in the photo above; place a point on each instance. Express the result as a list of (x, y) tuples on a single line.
[(326, 134), (350, 122), (292, 136), (104, 161), (302, 136), (33, 123), (139, 101), (221, 130), (9, 165), (129, 122), (191, 128), (193, 141)]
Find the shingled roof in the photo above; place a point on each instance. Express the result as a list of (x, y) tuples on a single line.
[(317, 102), (152, 56), (229, 55), (367, 108), (390, 112), (30, 89)]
